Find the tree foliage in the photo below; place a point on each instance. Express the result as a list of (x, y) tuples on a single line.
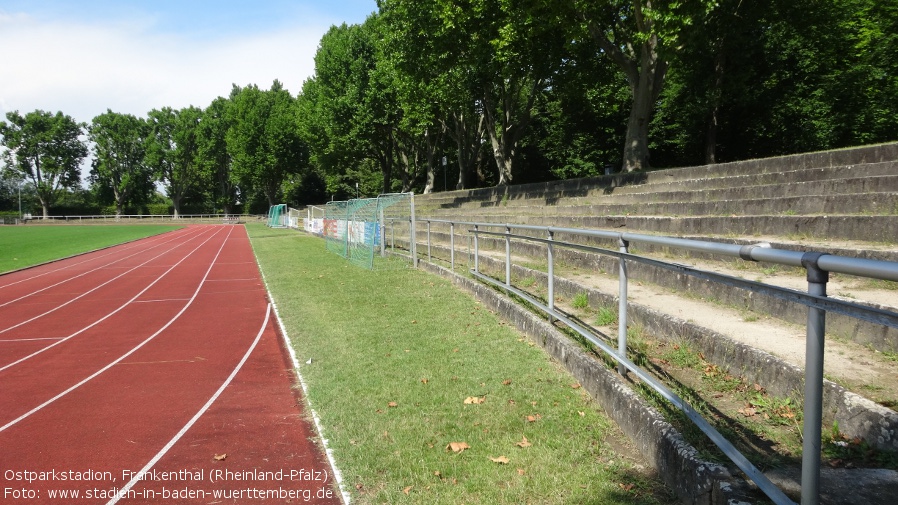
[(263, 140), (120, 162), (44, 149), (506, 91)]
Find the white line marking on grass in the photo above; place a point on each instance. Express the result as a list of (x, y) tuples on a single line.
[(110, 315), (139, 475), (305, 392)]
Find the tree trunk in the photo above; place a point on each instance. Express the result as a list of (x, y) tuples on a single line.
[(645, 90), (711, 137), (503, 161), (467, 140), (645, 75), (430, 142), (712, 127), (385, 158), (636, 145)]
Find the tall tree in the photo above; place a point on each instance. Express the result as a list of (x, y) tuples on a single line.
[(120, 156), (172, 151), (640, 37), (772, 77), (46, 150), (264, 141), (499, 52), (213, 153), (351, 105)]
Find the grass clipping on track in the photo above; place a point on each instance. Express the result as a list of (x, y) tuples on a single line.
[(425, 396), (24, 246)]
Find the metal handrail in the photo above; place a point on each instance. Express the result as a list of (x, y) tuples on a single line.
[(875, 269), (818, 265)]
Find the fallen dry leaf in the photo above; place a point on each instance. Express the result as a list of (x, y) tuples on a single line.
[(475, 400), (406, 490), (582, 414), (424, 381), (502, 460), (626, 487), (520, 471), (575, 385), (523, 442), (219, 457), (392, 404), (506, 382), (457, 446), (748, 411)]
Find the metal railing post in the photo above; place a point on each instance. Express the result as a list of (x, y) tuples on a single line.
[(508, 255), (452, 246), (622, 307), (551, 273), (428, 242), (813, 383), (476, 250), (382, 234), (413, 232)]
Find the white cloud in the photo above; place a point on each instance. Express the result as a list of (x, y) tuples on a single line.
[(82, 69)]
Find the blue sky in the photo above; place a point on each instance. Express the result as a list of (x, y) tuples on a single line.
[(130, 56)]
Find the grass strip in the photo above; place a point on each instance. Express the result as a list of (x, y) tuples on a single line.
[(25, 246), (405, 368)]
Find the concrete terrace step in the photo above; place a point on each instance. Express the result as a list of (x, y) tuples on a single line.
[(753, 168), (881, 229), (824, 159), (853, 203), (880, 177)]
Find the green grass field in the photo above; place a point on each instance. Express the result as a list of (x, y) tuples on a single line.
[(24, 246), (404, 366)]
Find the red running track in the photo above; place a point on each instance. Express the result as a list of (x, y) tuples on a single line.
[(151, 373)]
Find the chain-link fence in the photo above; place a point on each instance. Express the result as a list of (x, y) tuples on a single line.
[(373, 233)]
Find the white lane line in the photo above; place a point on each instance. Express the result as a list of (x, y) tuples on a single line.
[(91, 271), (87, 260), (107, 316), (82, 295), (29, 339), (163, 300), (123, 356), (139, 475)]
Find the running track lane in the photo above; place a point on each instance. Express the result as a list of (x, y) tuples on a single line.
[(216, 382)]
